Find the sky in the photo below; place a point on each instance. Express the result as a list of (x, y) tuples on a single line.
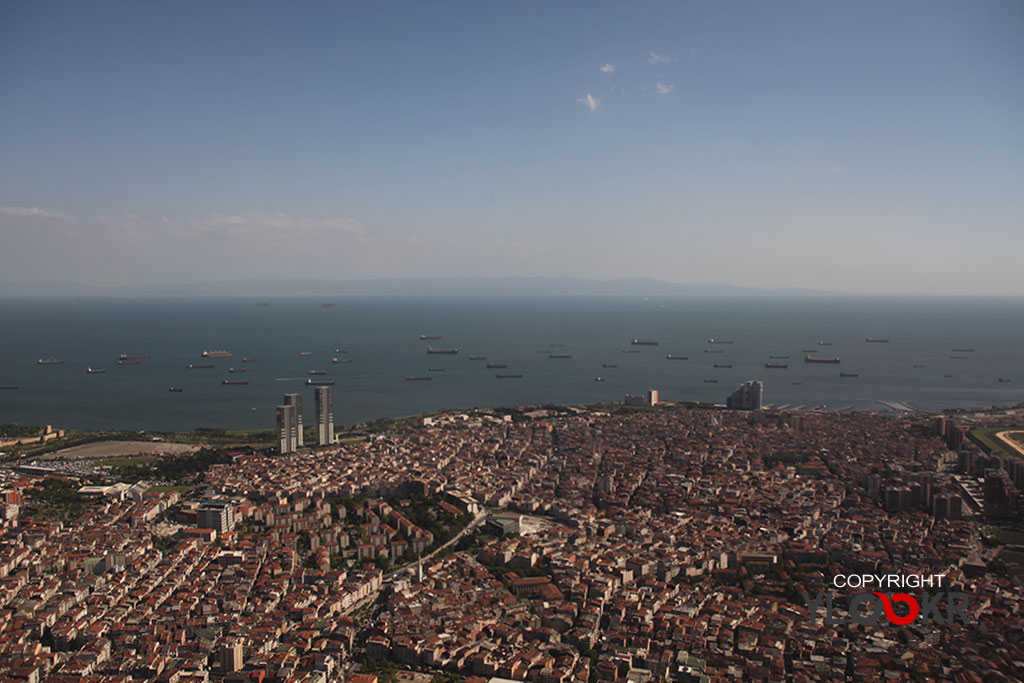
[(863, 147)]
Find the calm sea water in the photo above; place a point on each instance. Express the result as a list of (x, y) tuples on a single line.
[(381, 336)]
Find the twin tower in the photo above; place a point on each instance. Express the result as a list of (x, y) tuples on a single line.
[(289, 420)]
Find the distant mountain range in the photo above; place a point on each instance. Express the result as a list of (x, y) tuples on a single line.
[(405, 286)]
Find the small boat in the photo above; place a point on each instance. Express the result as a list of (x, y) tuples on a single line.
[(559, 355), (508, 375), (849, 374), (795, 384), (49, 361), (776, 366), (708, 380), (1003, 379), (98, 371), (418, 379), (197, 366), (599, 379), (319, 382), (340, 351), (305, 353), (674, 357), (125, 356), (175, 390), (238, 370), (425, 337), (232, 382), (317, 372), (485, 357), (497, 366), (723, 365), (609, 365)]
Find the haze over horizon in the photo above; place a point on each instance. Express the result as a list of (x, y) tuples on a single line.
[(863, 148)]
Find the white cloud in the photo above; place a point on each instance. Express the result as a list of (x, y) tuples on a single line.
[(592, 102), (655, 58), (664, 88), (608, 68), (34, 212)]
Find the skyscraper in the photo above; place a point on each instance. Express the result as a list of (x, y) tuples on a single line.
[(324, 401), (296, 400), (286, 423), (746, 397)]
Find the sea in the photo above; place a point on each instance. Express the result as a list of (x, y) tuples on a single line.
[(289, 337)]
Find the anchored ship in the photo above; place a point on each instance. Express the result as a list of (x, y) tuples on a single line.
[(811, 359), (125, 356), (90, 371), (508, 375), (418, 379), (873, 340), (496, 366), (217, 354), (49, 361), (778, 366), (230, 381), (319, 383), (451, 352), (425, 337), (645, 342), (712, 340), (672, 357)]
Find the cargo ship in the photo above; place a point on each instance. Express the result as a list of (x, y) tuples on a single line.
[(873, 340), (630, 351), (1003, 379), (217, 354), (918, 366), (777, 366), (508, 375), (497, 366), (339, 360), (305, 353), (723, 365), (712, 340), (237, 370), (130, 362), (712, 350), (125, 356), (435, 369), (599, 379), (673, 357), (317, 372), (482, 357), (708, 380), (849, 374), (609, 365), (340, 351), (645, 342), (49, 361), (418, 379), (779, 357), (426, 337), (9, 387), (559, 355), (962, 350), (99, 371), (958, 357), (197, 366), (246, 359), (319, 383), (232, 381), (824, 343), (811, 359), (176, 390), (450, 352), (809, 350)]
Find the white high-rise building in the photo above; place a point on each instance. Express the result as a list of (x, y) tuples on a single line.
[(296, 400), (324, 400), (287, 439)]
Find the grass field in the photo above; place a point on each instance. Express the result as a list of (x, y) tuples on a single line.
[(987, 438)]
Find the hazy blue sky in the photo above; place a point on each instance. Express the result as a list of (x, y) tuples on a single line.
[(856, 146)]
